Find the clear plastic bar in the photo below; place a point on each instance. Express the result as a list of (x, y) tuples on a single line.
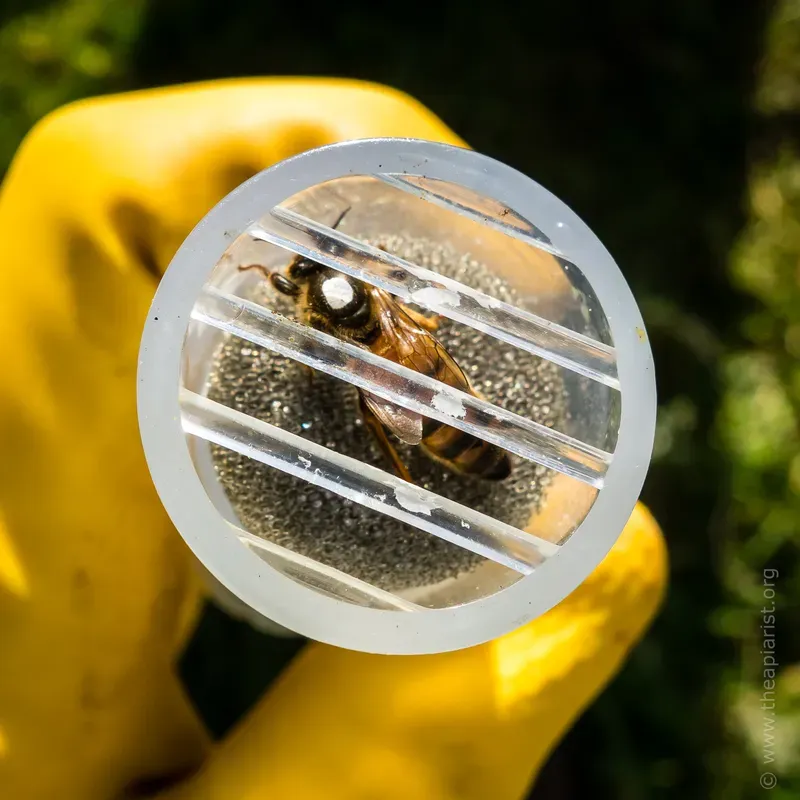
[(471, 205), (321, 577), (425, 288), (403, 386), (363, 484)]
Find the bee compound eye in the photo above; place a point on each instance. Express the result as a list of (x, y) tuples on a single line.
[(279, 482), (303, 268), (284, 285)]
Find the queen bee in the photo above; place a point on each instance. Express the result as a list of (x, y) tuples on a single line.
[(371, 318)]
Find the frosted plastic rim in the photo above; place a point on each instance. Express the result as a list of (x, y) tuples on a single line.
[(280, 598)]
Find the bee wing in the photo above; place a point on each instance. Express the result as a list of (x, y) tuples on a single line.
[(415, 347), (405, 342), (448, 371), (404, 424)]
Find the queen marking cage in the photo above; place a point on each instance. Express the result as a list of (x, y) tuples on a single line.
[(250, 422)]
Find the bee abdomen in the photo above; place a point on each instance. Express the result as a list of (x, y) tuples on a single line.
[(490, 462), (466, 453)]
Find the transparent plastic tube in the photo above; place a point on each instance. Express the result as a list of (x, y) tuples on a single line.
[(535, 283)]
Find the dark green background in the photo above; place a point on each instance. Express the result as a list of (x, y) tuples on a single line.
[(671, 128)]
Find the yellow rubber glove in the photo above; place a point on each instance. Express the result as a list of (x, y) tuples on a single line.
[(97, 590)]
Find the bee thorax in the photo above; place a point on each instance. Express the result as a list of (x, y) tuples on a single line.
[(338, 292)]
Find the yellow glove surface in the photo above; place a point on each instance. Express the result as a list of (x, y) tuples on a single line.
[(97, 590)]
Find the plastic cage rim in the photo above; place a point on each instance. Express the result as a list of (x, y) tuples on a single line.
[(281, 599)]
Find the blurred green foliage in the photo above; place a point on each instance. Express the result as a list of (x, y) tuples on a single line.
[(672, 129), (53, 53), (758, 420)]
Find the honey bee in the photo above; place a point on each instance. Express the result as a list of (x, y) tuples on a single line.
[(371, 318)]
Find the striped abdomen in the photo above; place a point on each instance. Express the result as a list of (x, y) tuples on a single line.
[(464, 452)]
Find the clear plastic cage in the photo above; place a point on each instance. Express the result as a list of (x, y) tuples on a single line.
[(512, 285)]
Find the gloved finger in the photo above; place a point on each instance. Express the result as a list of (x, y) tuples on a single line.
[(468, 725), (140, 170), (97, 591)]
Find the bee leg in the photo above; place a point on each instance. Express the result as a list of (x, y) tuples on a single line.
[(387, 448)]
